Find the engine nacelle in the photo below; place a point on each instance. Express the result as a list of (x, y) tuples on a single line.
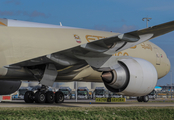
[(132, 77), (8, 87)]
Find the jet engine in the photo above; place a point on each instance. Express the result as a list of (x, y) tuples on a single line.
[(132, 77), (8, 87)]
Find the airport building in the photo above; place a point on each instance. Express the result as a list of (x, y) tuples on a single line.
[(71, 85)]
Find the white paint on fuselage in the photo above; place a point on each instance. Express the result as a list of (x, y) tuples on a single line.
[(18, 23)]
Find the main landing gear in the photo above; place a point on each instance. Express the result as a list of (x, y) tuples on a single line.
[(43, 96), (143, 98)]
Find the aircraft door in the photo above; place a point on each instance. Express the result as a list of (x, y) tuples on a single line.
[(158, 56)]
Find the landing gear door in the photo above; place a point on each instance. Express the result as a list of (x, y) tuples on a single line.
[(158, 56)]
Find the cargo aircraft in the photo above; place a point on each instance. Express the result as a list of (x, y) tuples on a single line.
[(126, 63)]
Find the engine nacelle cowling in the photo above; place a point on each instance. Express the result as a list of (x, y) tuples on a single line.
[(8, 87), (132, 77)]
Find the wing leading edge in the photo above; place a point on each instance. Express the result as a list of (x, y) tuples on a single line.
[(124, 41)]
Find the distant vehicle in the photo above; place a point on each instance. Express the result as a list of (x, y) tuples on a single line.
[(66, 91), (82, 93), (115, 95), (157, 88), (101, 92), (15, 95), (73, 95), (90, 94)]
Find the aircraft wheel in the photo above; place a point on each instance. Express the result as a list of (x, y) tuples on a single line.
[(50, 97), (145, 98), (28, 97), (59, 97), (140, 99), (40, 97)]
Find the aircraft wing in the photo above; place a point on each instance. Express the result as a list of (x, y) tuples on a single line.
[(124, 41), (105, 47)]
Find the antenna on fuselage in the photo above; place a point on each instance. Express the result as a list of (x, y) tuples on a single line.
[(60, 24)]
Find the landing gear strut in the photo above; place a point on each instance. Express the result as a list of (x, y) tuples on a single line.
[(143, 98)]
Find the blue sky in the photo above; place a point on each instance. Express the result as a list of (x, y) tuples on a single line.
[(108, 15)]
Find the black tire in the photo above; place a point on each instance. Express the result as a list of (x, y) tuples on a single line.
[(28, 97), (145, 98), (50, 97), (40, 97), (140, 99), (59, 97)]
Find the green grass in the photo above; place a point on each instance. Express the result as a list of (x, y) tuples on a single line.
[(88, 113)]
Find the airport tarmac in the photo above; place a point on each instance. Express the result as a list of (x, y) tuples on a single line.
[(85, 103)]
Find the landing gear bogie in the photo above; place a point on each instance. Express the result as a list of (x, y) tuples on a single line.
[(143, 98), (44, 97)]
